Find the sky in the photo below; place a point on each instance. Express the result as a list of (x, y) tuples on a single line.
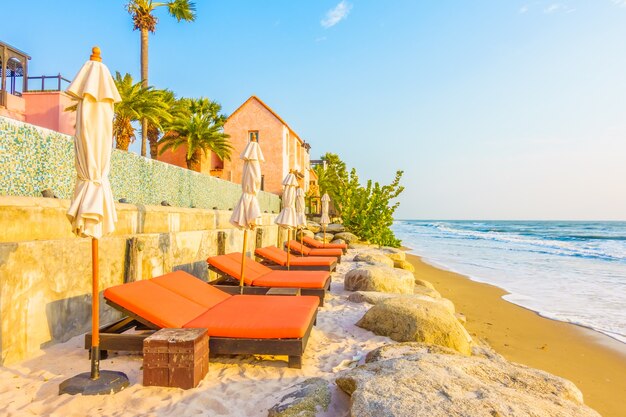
[(493, 109)]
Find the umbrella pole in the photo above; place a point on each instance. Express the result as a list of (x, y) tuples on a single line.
[(324, 242), (301, 240), (95, 312), (243, 259), (288, 252)]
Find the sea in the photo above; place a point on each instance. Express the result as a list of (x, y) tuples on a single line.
[(572, 271)]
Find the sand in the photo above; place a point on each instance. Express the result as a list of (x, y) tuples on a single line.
[(235, 386), (250, 385), (594, 362)]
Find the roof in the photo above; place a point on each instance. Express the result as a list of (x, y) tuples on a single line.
[(253, 97)]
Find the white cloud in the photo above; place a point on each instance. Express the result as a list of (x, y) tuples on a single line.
[(621, 3), (523, 9), (558, 7), (336, 14)]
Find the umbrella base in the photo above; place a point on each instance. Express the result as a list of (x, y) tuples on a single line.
[(109, 382)]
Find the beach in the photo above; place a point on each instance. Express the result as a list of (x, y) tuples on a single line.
[(594, 362)]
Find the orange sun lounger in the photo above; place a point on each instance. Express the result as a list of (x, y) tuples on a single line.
[(309, 241), (298, 248), (259, 276), (236, 324), (271, 256)]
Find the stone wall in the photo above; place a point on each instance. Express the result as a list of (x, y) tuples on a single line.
[(33, 159), (45, 272)]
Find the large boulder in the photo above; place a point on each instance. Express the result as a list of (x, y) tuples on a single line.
[(379, 278), (424, 283), (347, 236), (373, 258), (314, 227), (404, 265), (304, 232), (338, 241), (425, 381), (326, 238), (394, 253), (335, 228), (375, 297), (412, 319), (306, 399)]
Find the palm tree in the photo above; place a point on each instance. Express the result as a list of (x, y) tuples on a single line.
[(199, 127), (176, 110), (145, 21), (138, 103)]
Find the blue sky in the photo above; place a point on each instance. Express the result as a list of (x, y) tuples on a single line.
[(494, 109)]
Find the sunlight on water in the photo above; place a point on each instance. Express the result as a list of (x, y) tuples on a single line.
[(568, 271)]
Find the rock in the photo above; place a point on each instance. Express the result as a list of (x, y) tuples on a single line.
[(412, 379), (461, 318), (123, 200), (335, 228), (320, 237), (394, 253), (424, 283), (371, 297), (359, 245), (316, 219), (338, 241), (306, 233), (409, 319), (48, 193), (379, 278), (425, 291), (373, 258), (165, 203), (305, 399), (314, 227), (347, 236), (404, 265)]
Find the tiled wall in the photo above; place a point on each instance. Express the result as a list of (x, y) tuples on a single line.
[(33, 159)]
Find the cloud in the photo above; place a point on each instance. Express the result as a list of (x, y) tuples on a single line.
[(523, 9), (336, 14), (621, 3), (558, 7)]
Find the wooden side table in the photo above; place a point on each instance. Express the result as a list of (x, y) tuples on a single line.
[(283, 291)]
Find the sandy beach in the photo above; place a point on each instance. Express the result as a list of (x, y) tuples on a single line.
[(594, 362)]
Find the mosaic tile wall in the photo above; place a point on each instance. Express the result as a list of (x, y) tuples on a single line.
[(33, 159)]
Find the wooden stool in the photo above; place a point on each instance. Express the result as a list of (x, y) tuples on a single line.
[(175, 358)]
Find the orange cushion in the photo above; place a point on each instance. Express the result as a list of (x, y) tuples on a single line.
[(259, 317), (299, 247), (154, 303), (293, 279), (317, 244), (231, 265), (280, 257), (326, 252), (192, 288)]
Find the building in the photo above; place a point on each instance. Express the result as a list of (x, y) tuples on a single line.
[(36, 100), (283, 148)]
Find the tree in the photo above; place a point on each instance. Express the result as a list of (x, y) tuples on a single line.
[(365, 211), (198, 125), (138, 102), (176, 109), (142, 12)]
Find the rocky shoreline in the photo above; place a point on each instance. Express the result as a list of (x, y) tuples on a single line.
[(432, 366)]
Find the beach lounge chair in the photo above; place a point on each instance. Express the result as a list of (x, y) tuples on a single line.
[(298, 248), (309, 241), (261, 278), (274, 257), (236, 324)]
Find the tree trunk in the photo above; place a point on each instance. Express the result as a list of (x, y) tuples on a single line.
[(194, 163), (122, 142), (144, 82), (153, 139)]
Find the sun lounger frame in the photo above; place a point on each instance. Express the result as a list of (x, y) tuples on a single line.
[(227, 278), (112, 337), (296, 252)]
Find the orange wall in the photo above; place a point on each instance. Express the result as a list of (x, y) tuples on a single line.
[(15, 107), (254, 116), (47, 109)]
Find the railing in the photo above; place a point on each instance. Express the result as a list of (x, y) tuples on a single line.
[(47, 83)]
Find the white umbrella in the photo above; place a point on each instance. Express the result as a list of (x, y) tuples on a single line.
[(92, 209), (287, 217), (325, 220), (300, 204), (247, 211)]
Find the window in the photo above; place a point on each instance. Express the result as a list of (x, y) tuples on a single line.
[(253, 135)]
